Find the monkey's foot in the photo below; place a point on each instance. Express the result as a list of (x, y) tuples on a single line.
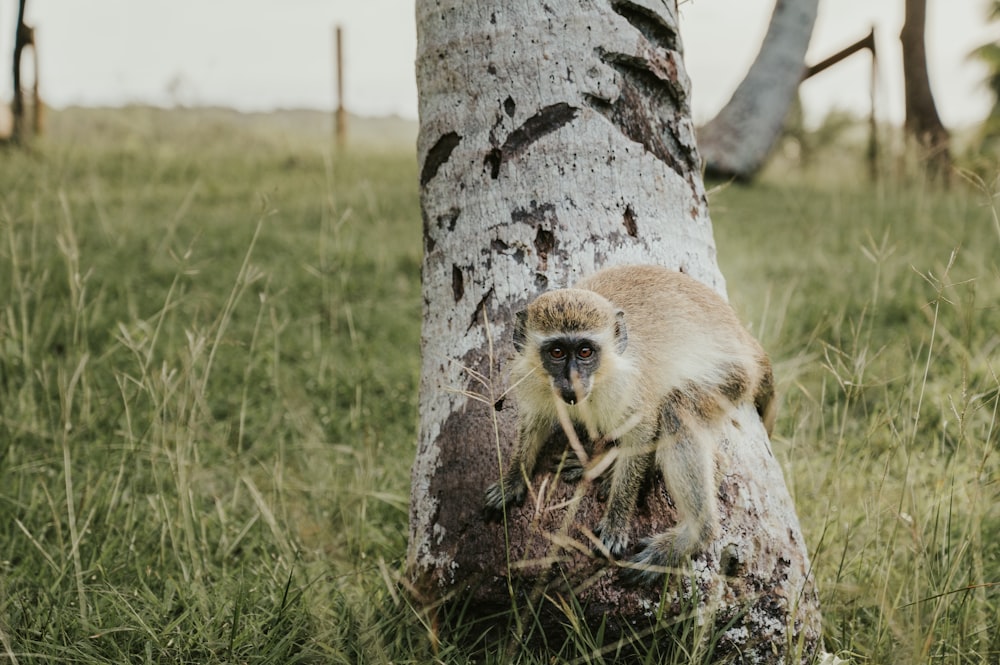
[(614, 540), (500, 495), (648, 567), (571, 469), (661, 554)]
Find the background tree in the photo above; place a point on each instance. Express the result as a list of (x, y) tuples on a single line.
[(922, 123), (989, 55), (737, 141), (556, 138), (24, 36)]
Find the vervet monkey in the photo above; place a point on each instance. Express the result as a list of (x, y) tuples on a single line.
[(649, 357)]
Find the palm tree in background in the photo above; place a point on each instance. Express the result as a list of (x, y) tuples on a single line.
[(989, 54)]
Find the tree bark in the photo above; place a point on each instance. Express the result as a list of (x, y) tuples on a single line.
[(737, 142), (922, 122), (555, 139)]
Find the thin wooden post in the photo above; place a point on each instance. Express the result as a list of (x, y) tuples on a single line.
[(341, 115), (21, 38), (873, 150)]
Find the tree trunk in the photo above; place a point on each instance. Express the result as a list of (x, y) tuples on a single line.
[(922, 122), (555, 139), (737, 142)]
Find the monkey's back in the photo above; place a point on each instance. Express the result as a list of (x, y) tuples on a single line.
[(678, 324)]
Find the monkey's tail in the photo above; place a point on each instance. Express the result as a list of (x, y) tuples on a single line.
[(763, 398)]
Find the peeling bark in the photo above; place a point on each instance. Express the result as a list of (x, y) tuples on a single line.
[(574, 150)]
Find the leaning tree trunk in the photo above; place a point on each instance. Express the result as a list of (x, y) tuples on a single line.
[(737, 142), (555, 138), (922, 122)]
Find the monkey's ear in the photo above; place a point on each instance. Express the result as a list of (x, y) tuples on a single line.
[(621, 332), (520, 326)]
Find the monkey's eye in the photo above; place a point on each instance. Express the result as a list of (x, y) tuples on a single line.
[(585, 352), (557, 353)]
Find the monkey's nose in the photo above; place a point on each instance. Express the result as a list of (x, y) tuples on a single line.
[(568, 395)]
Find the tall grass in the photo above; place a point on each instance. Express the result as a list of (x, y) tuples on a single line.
[(882, 307), (209, 346), (206, 349)]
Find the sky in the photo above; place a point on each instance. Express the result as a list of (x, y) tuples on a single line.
[(260, 55)]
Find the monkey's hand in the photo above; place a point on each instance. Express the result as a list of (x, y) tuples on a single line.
[(572, 470), (614, 538), (510, 492)]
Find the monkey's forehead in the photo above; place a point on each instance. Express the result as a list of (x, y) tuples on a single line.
[(570, 310)]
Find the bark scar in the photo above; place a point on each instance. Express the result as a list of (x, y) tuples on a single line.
[(628, 219), (655, 28), (457, 283), (545, 242), (477, 314), (439, 153), (546, 121)]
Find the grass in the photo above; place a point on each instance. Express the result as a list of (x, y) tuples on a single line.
[(209, 348), (882, 307)]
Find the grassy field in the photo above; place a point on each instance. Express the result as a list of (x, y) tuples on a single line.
[(209, 348)]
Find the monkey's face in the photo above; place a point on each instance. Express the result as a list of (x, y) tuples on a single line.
[(571, 363), (568, 331)]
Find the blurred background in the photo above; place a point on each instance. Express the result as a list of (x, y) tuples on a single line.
[(262, 55)]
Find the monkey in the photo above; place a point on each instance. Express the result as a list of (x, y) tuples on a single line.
[(652, 358)]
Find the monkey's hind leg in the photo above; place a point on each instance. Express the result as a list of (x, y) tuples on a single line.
[(686, 457)]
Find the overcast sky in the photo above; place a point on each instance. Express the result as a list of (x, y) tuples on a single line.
[(267, 54)]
